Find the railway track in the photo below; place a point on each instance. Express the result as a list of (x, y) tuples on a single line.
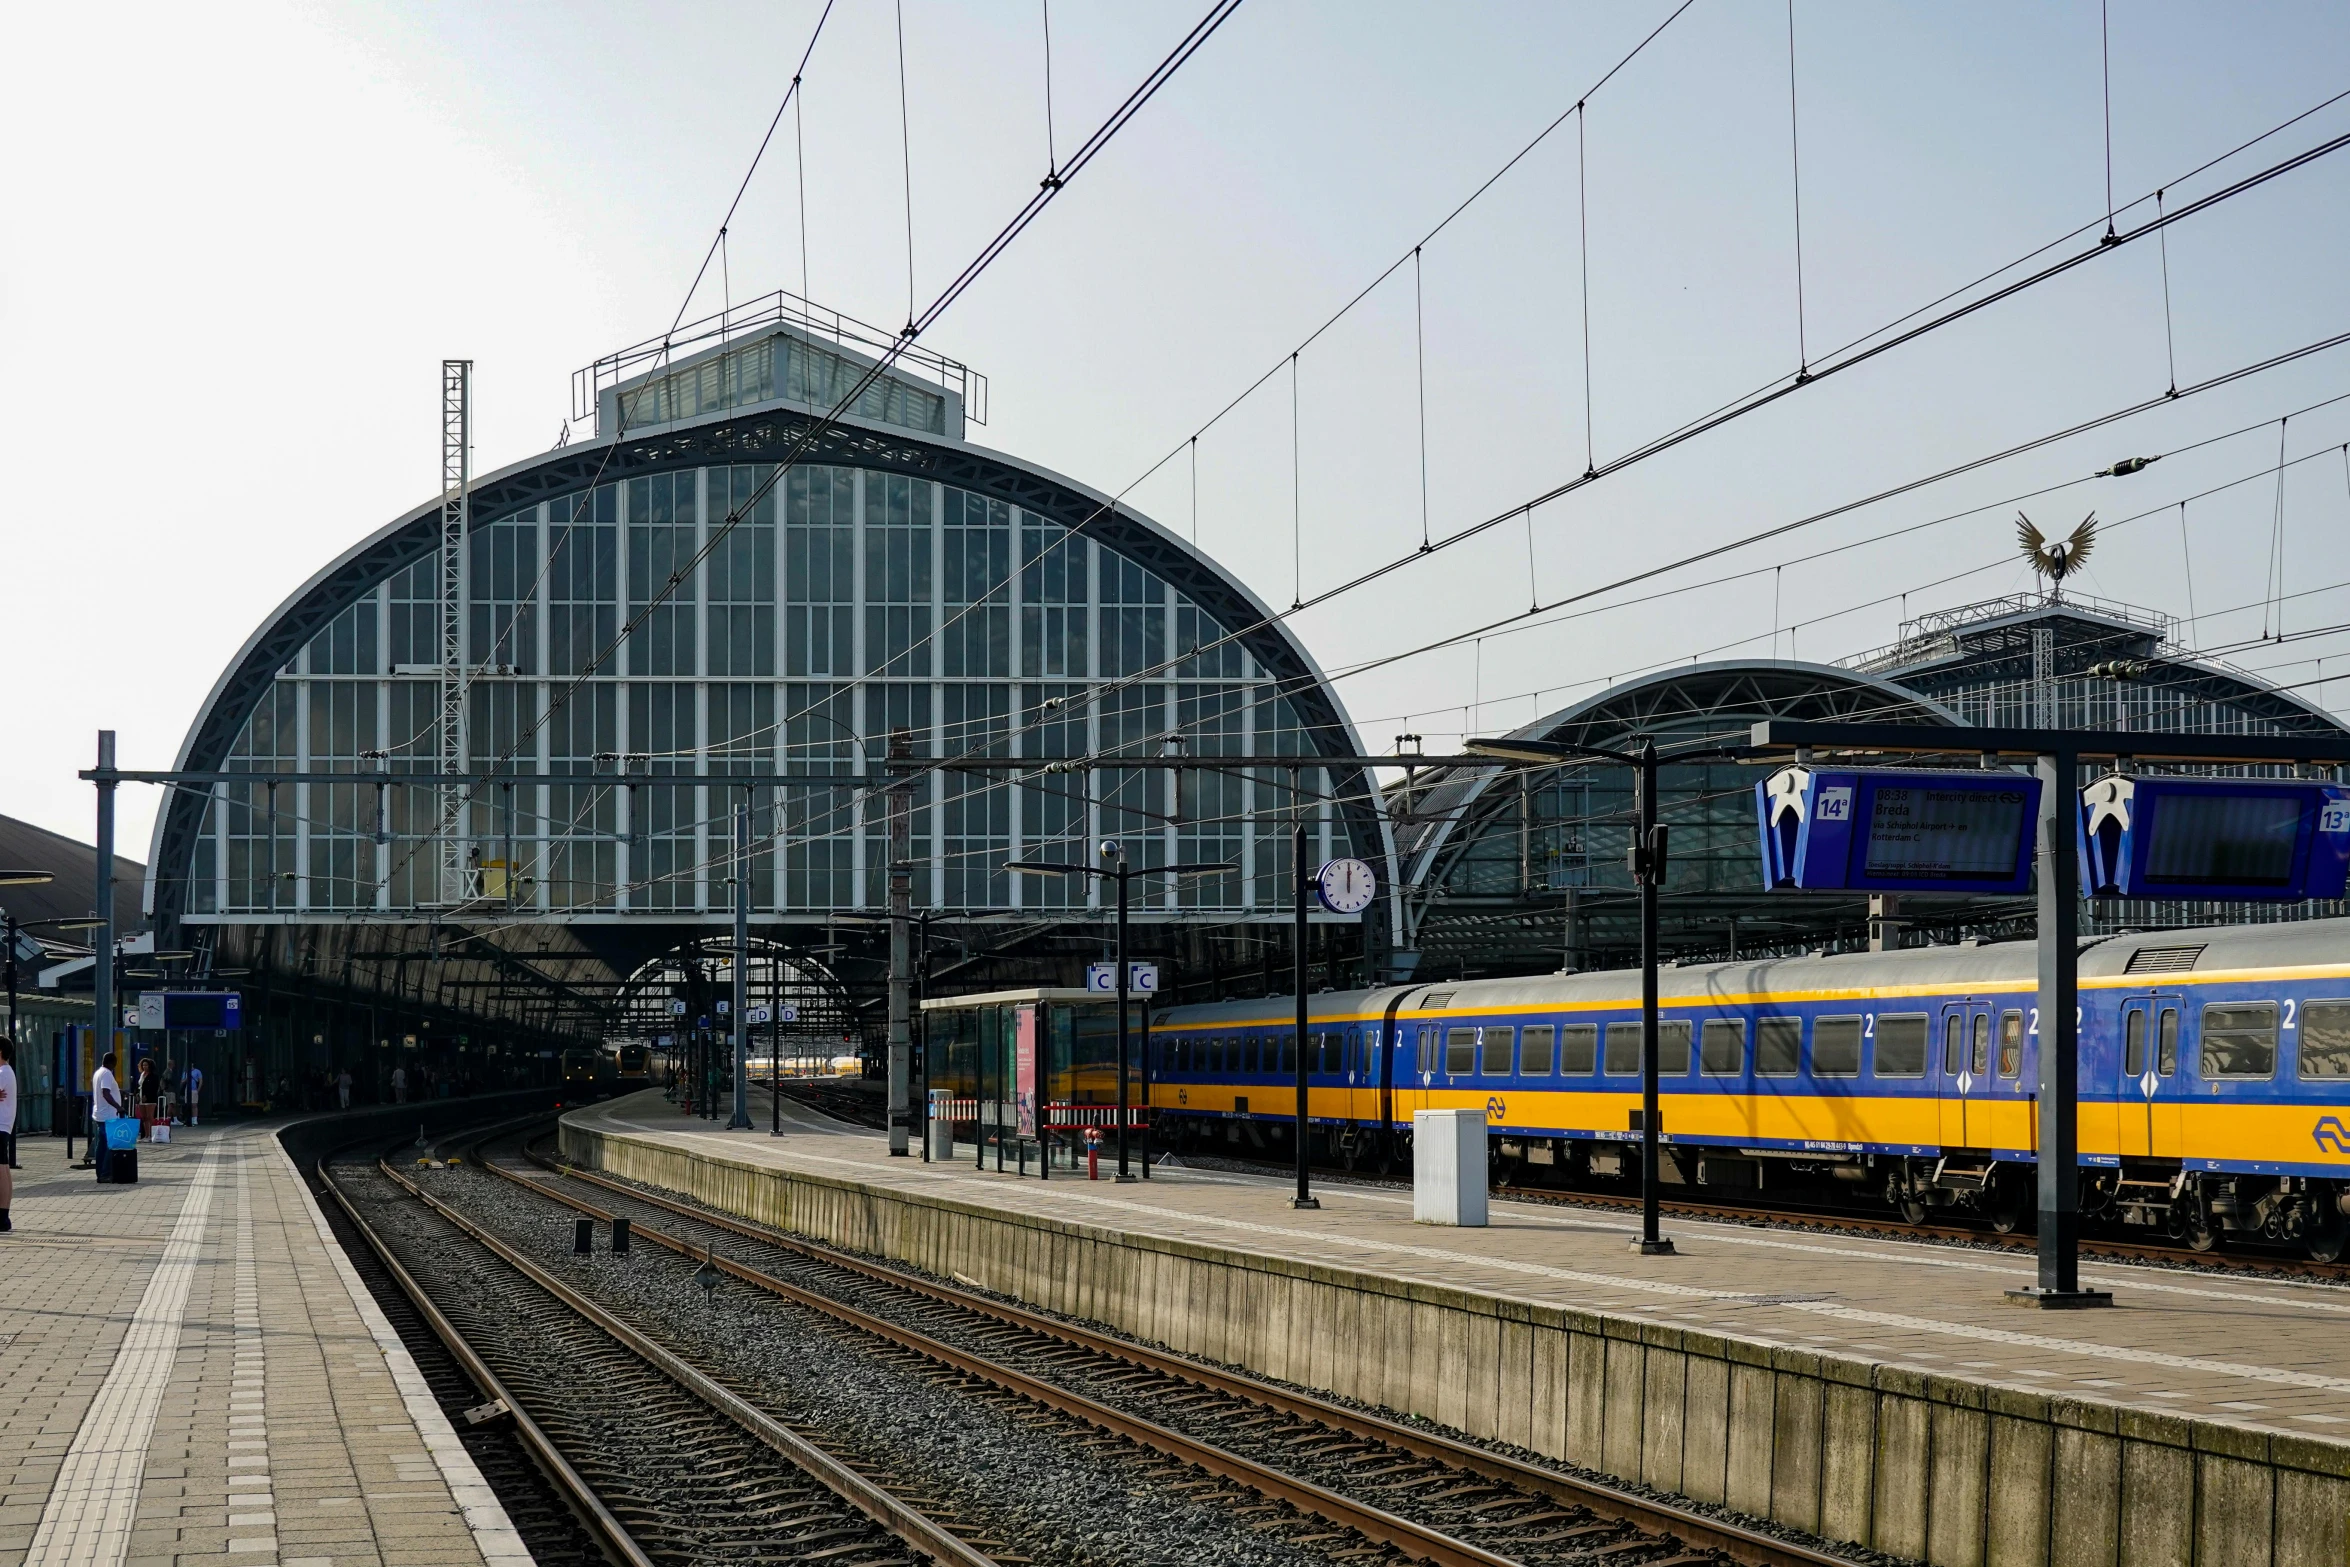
[(552, 1520), (666, 1465), (1420, 1494)]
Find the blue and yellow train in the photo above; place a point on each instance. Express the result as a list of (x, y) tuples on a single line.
[(2214, 1072)]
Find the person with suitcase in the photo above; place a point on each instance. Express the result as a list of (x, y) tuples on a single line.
[(105, 1106)]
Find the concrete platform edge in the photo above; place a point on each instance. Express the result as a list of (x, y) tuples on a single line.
[(1917, 1465)]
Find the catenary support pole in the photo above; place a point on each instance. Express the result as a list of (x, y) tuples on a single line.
[(1301, 1135), (2058, 872), (108, 1015), (1115, 853), (1648, 857), (741, 1000), (901, 976)]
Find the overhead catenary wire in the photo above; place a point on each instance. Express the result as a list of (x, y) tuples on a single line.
[(1846, 358), (1795, 165), (906, 161), (2105, 74), (1977, 304), (1814, 518)]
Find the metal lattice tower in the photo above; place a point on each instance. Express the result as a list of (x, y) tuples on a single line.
[(456, 485)]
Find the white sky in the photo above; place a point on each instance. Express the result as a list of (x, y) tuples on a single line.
[(240, 240)]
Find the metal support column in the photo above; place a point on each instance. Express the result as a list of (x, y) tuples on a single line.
[(1648, 867), (1115, 853), (1303, 1126), (2057, 869), (740, 1010), (901, 968), (108, 1015)]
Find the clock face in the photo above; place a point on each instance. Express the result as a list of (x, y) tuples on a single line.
[(1346, 886)]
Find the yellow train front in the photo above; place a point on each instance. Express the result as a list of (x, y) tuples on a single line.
[(2214, 1073)]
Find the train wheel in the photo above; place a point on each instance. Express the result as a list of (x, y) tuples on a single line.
[(1912, 1211), (2328, 1245), (2202, 1237), (2006, 1220)]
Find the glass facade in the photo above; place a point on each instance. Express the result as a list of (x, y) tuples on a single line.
[(700, 636)]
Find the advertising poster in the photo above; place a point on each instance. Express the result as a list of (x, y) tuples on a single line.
[(1024, 1065)]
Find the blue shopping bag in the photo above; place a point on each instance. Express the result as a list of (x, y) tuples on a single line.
[(122, 1132)]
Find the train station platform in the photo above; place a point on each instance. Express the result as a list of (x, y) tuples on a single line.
[(194, 1374), (1873, 1392)]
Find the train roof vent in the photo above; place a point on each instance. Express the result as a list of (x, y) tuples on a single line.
[(1442, 998), (2162, 960)]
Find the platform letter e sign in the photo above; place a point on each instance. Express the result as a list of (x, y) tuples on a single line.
[(2330, 1135)]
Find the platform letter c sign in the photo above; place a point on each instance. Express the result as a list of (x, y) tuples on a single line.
[(2330, 1135)]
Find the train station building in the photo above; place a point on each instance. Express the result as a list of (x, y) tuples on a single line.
[(720, 598)]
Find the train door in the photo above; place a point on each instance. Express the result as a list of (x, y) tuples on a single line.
[(2148, 1091), (1964, 1082)]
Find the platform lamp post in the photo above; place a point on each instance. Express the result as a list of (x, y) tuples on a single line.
[(1647, 864), (1118, 871)]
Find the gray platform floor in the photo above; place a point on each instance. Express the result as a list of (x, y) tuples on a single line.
[(194, 1376), (2266, 1354)]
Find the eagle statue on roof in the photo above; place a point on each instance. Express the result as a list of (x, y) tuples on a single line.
[(2059, 560)]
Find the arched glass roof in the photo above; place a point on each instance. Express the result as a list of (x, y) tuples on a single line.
[(921, 591)]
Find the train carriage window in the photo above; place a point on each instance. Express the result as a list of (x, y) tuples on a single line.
[(1901, 1044), (2166, 1046), (1534, 1050), (1721, 1050), (1494, 1056), (1835, 1047), (1953, 1043), (2325, 1039), (1982, 1060), (2134, 1042), (1578, 1049), (1428, 1049), (1672, 1048), (2240, 1039), (1460, 1052), (1288, 1066), (1778, 1046), (2011, 1041), (1333, 1053)]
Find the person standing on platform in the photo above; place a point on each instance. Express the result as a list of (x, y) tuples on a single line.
[(195, 1091), (7, 1130), (399, 1085), (105, 1105), (343, 1086)]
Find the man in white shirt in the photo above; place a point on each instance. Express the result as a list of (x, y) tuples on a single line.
[(7, 1130), (399, 1085), (105, 1105), (343, 1086)]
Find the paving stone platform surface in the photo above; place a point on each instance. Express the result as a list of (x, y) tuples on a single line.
[(2266, 1354), (194, 1375)]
